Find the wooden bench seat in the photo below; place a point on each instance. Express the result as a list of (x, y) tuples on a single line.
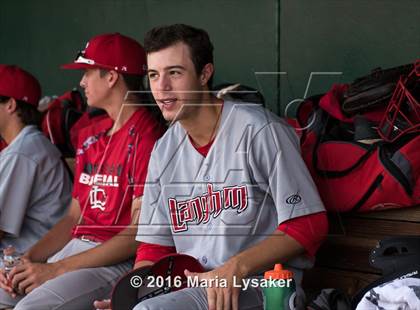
[(343, 260)]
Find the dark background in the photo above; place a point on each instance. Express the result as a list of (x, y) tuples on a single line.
[(254, 40)]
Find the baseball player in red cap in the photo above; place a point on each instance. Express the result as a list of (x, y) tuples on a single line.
[(81, 257), (226, 184), (34, 184)]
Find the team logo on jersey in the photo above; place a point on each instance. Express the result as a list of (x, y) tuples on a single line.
[(99, 179), (294, 199), (97, 198), (201, 208)]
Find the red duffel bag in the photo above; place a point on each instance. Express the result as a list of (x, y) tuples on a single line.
[(354, 167)]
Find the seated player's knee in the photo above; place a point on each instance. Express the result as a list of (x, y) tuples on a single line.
[(23, 307), (141, 306), (150, 304), (39, 299)]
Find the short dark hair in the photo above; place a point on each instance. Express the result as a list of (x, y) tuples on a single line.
[(28, 114), (3, 99), (198, 41), (136, 83)]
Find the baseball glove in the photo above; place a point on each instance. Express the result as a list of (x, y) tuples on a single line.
[(373, 90)]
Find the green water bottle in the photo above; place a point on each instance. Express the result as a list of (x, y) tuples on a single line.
[(280, 291)]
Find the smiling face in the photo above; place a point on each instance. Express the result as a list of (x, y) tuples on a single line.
[(175, 84)]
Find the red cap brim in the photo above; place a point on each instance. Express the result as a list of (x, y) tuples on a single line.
[(77, 66)]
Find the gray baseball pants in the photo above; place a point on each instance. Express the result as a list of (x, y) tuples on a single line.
[(74, 290), (196, 299)]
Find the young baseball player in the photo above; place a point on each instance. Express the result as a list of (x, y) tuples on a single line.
[(82, 257), (226, 183), (35, 187)]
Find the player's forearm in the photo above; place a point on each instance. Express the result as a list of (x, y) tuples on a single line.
[(143, 263), (116, 250), (277, 248), (53, 241)]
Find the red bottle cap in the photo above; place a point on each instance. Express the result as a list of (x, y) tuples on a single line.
[(278, 273)]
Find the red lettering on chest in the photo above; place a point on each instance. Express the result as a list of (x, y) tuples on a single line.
[(212, 203)]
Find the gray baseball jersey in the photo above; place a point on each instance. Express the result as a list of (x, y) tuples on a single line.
[(213, 207), (35, 189)]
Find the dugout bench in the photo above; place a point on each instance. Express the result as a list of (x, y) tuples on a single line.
[(343, 260)]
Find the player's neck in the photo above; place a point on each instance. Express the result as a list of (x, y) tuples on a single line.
[(119, 107), (120, 115), (202, 127), (11, 131)]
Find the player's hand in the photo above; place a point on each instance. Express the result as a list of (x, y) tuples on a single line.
[(27, 276), (102, 304), (5, 284), (225, 298)]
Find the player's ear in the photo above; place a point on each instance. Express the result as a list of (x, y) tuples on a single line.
[(11, 105), (112, 77), (206, 74)]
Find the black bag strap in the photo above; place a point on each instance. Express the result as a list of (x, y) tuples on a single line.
[(371, 189), (338, 173), (70, 117)]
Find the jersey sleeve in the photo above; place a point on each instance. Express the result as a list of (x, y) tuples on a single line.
[(309, 230), (152, 252), (154, 225), (17, 177), (279, 170)]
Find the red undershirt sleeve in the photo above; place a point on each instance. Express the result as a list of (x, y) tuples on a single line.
[(152, 252), (309, 230)]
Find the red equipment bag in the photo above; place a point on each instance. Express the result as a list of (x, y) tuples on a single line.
[(88, 119), (354, 167), (61, 114), (64, 119)]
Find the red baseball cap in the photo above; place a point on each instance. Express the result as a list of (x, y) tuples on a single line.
[(19, 84), (112, 51)]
